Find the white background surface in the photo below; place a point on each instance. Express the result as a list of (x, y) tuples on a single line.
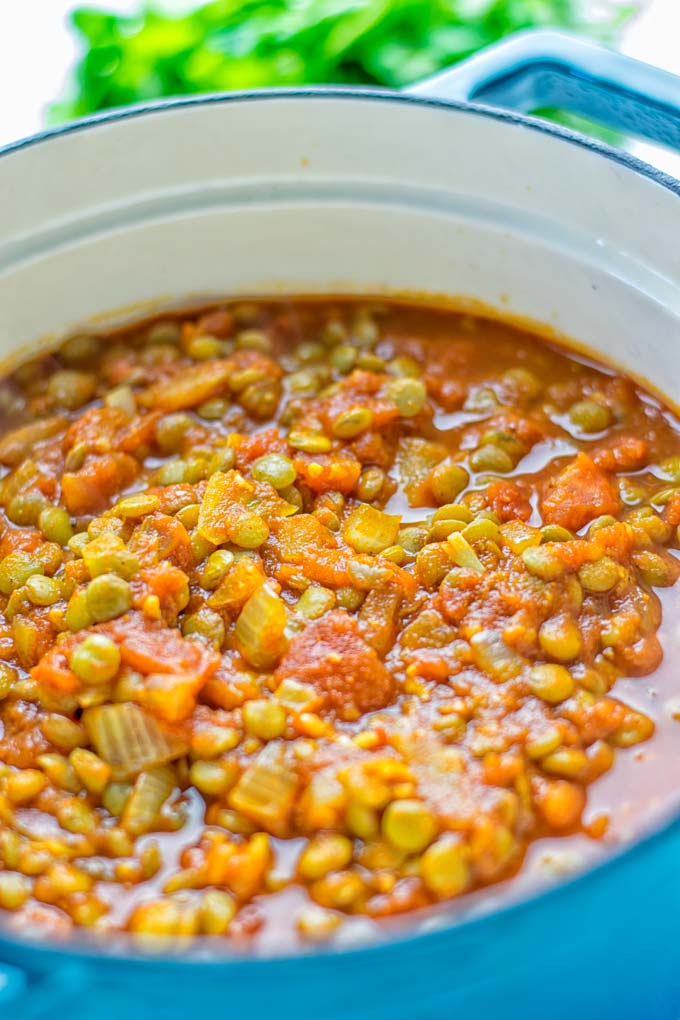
[(36, 51)]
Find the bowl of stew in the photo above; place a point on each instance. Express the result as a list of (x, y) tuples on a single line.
[(339, 530)]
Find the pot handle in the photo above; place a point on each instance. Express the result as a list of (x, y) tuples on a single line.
[(536, 69)]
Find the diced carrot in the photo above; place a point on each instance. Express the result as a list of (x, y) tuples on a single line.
[(249, 448), (167, 582), (581, 492), (20, 540), (371, 448), (671, 513), (224, 505), (90, 489), (22, 738), (509, 500), (231, 684), (615, 540), (160, 537), (295, 539), (175, 497), (169, 696), (244, 578), (155, 649), (328, 567), (21, 442), (189, 386), (139, 432), (96, 429), (625, 453), (357, 391), (54, 671), (323, 472), (219, 322)]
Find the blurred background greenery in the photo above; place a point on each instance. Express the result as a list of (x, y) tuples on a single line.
[(242, 44)]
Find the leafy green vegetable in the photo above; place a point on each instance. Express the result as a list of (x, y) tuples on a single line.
[(242, 44)]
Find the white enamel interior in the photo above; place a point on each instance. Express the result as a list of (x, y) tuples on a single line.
[(335, 193)]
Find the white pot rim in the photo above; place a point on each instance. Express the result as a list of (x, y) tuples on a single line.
[(537, 124)]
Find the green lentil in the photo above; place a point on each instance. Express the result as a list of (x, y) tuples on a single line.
[(253, 340), (343, 358), (221, 460), (315, 601), (309, 442), (261, 399), (264, 719), (195, 470), (453, 512), (551, 682), (481, 529), (15, 570), (491, 458), (408, 825), (654, 569), (123, 399), (108, 596), (523, 382), (78, 615), (25, 508), (188, 515), (203, 348), (216, 567), (560, 638), (447, 480), (656, 529), (212, 410), (55, 524), (79, 348), (365, 330), (167, 331), (370, 484), (8, 678), (250, 532), (71, 389), (43, 591), (276, 469), (206, 623), (542, 562), (671, 468), (409, 396), (590, 416), (171, 430), (139, 505), (600, 576), (96, 660), (404, 366), (555, 533), (605, 521), (353, 422)]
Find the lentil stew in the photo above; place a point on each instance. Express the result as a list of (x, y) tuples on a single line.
[(317, 610)]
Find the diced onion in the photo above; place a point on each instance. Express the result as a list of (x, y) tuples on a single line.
[(129, 739), (260, 628)]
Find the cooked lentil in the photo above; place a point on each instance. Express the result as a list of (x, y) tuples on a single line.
[(333, 615)]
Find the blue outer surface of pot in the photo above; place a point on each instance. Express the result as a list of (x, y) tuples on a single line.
[(600, 945)]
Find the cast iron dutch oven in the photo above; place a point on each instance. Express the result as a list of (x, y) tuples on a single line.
[(339, 190)]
